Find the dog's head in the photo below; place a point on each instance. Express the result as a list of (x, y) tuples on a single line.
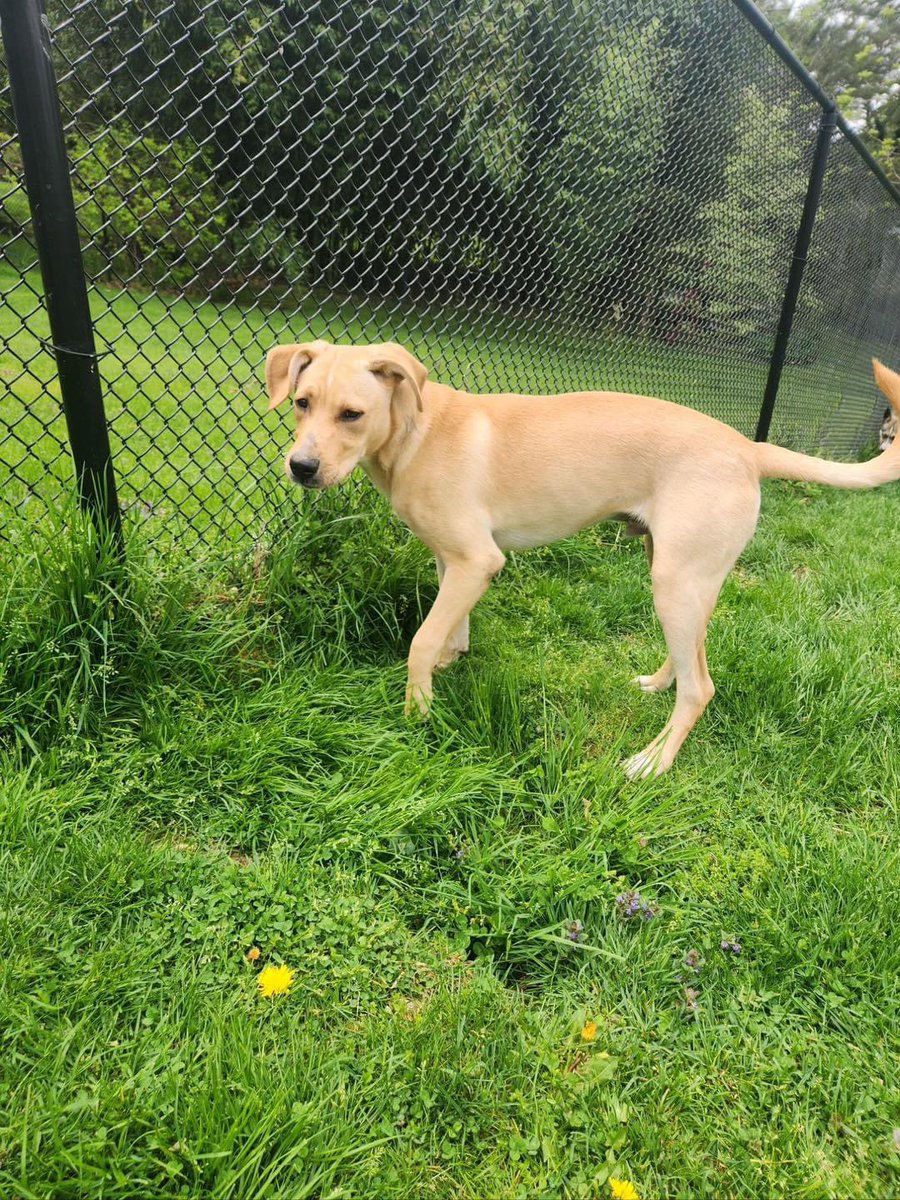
[(349, 402)]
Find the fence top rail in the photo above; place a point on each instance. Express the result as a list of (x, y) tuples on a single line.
[(767, 30)]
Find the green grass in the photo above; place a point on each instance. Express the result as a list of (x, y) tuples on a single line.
[(195, 764)]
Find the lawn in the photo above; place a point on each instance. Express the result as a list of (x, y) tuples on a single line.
[(198, 765)]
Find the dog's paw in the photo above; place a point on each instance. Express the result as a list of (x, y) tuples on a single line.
[(645, 764), (418, 702), (651, 683), (449, 655), (645, 683)]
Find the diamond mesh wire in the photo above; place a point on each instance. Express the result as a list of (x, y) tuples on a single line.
[(537, 196), (850, 313)]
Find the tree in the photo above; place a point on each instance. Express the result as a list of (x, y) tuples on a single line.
[(852, 47), (748, 230)]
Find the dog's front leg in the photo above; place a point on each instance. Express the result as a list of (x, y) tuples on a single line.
[(458, 642), (464, 582)]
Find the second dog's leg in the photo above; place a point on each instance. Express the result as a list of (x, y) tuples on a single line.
[(465, 581), (458, 642)]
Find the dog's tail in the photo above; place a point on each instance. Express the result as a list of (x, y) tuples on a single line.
[(777, 463)]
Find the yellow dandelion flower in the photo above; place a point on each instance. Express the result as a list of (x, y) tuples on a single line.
[(275, 981), (623, 1190), (589, 1032), (253, 953)]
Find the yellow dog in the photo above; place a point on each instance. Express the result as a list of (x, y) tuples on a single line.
[(474, 475)]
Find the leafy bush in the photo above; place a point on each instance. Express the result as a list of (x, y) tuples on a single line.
[(147, 207)]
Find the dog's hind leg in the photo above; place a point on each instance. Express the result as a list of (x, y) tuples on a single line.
[(690, 566), (683, 609), (664, 677)]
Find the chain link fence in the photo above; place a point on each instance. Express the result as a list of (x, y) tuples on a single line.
[(535, 196)]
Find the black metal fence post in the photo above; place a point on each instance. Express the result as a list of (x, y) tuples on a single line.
[(827, 126), (26, 38)]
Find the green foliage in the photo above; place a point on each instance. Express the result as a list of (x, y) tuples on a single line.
[(147, 207), (603, 161), (747, 232), (318, 157), (853, 49), (537, 154)]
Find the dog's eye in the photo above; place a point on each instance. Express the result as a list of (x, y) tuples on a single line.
[(350, 414), (302, 402)]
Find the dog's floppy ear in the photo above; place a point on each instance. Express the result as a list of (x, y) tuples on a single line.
[(396, 365), (284, 365)]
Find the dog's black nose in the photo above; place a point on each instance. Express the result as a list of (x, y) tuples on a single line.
[(303, 469)]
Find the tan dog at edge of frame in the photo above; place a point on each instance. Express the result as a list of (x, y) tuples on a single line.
[(474, 475)]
